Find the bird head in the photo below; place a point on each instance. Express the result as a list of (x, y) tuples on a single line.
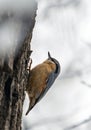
[(57, 71)]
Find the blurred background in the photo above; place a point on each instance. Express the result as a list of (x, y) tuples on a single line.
[(63, 27)]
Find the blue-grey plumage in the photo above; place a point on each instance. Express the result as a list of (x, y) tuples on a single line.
[(41, 79)]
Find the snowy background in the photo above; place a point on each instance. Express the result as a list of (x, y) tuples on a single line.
[(63, 27)]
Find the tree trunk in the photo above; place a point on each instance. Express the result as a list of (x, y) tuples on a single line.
[(13, 79)]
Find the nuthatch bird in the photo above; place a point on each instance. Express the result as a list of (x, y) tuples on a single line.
[(40, 80)]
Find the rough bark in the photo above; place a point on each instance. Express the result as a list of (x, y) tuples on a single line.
[(13, 79)]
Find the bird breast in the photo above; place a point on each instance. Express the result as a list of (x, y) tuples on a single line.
[(39, 76)]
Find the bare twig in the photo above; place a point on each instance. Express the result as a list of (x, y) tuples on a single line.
[(79, 124), (83, 82)]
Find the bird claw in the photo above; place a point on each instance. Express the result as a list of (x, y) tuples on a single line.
[(29, 65)]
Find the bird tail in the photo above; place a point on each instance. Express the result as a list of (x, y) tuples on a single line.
[(30, 107)]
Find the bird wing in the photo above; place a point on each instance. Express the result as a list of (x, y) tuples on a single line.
[(49, 82)]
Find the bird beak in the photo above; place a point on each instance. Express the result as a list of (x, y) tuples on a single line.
[(49, 56)]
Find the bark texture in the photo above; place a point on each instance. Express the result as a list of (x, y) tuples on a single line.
[(13, 79)]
